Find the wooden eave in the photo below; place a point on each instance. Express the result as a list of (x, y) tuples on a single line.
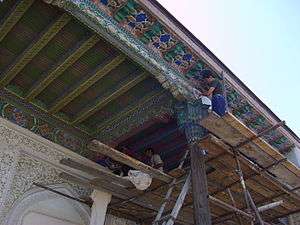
[(98, 85), (214, 62), (79, 86)]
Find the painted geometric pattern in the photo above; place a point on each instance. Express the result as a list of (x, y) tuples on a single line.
[(42, 128), (133, 17)]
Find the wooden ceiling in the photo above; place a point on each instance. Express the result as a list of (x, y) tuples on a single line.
[(51, 61)]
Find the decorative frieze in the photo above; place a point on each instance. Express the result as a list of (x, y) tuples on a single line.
[(26, 158)]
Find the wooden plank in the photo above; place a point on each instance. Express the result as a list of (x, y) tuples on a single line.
[(110, 188), (34, 48), (92, 78), (121, 193), (262, 144), (127, 160), (211, 142), (98, 105), (219, 126), (234, 132), (199, 184), (98, 171), (58, 68), (255, 186), (14, 16), (225, 217)]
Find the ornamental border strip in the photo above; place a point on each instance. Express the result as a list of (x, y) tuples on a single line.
[(102, 22)]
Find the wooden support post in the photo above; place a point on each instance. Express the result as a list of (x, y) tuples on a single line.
[(190, 113), (170, 190), (179, 201), (249, 176), (228, 216), (199, 184), (237, 217), (253, 206), (241, 177)]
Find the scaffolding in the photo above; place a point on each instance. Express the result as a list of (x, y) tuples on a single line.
[(169, 193)]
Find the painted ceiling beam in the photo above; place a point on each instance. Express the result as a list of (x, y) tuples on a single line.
[(67, 60), (96, 19), (33, 49), (100, 72), (129, 109), (98, 105), (14, 16)]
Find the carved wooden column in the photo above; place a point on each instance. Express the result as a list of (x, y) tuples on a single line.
[(189, 114)]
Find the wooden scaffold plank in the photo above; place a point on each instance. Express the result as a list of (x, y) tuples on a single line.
[(99, 172), (127, 160)]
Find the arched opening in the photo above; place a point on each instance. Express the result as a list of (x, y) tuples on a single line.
[(39, 205)]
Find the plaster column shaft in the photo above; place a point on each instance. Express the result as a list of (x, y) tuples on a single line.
[(101, 200)]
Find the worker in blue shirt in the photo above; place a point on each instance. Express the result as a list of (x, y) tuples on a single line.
[(215, 92)]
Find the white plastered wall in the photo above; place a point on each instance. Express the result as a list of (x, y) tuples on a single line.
[(26, 158)]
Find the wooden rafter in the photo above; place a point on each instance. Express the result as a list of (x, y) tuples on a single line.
[(100, 72), (33, 49), (97, 146), (14, 16), (67, 60), (130, 109), (98, 171), (100, 104)]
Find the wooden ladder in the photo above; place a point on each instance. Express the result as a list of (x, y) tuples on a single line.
[(170, 218)]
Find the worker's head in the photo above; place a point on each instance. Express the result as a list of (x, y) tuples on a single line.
[(149, 152), (207, 75)]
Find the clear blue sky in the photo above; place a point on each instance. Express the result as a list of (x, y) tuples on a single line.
[(259, 40)]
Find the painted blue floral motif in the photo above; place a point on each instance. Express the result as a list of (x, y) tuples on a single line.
[(158, 39), (180, 56), (134, 18), (163, 41), (109, 6), (139, 23)]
